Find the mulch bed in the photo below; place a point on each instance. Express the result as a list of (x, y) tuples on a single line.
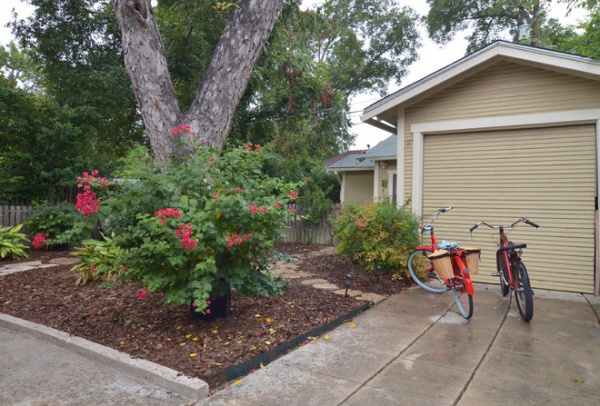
[(171, 336)]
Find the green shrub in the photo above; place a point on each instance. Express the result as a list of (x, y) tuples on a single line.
[(53, 222), (11, 242), (377, 234)]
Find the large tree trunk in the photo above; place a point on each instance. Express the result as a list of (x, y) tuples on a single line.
[(222, 87), (146, 64), (233, 61)]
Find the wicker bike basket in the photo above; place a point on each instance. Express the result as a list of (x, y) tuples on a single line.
[(442, 264), (472, 259)]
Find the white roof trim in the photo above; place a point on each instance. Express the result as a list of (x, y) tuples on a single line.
[(542, 56)]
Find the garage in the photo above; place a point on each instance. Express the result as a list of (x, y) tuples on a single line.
[(499, 176), (509, 131)]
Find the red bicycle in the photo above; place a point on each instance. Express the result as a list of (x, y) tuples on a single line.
[(511, 270), (439, 270)]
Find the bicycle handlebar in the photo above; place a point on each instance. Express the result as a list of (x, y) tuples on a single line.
[(428, 226), (522, 219)]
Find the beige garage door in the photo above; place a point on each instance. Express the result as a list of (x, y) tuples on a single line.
[(546, 175)]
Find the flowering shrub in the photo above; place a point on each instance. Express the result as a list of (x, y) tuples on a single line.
[(87, 202), (198, 227), (377, 234), (48, 224)]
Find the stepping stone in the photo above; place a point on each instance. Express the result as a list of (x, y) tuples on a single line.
[(8, 270), (326, 286), (351, 293), (313, 281), (290, 275), (65, 261), (20, 264), (371, 297)]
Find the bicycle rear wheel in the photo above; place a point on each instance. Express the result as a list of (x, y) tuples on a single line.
[(524, 293), (464, 301), (422, 272)]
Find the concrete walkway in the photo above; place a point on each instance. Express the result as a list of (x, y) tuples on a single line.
[(405, 351)]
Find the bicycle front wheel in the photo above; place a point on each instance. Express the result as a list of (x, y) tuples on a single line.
[(422, 271), (464, 301), (503, 271), (523, 293)]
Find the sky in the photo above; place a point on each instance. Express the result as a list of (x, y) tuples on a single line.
[(432, 58)]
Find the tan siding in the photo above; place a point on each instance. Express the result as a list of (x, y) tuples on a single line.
[(359, 187), (505, 89), (547, 175), (501, 90)]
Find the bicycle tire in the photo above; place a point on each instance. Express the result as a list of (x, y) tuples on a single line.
[(420, 268), (464, 301), (523, 293)]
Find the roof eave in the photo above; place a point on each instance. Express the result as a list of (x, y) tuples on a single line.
[(531, 55)]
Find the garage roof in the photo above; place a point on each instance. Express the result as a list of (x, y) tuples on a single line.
[(384, 113)]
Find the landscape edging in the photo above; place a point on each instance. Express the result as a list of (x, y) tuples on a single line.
[(192, 388), (236, 371)]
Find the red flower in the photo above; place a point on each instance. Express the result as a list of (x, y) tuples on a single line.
[(141, 293), (39, 241)]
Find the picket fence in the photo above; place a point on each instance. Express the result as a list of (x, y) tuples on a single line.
[(14, 215), (297, 230)]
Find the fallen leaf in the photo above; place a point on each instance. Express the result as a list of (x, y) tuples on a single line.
[(193, 354), (195, 339), (238, 381), (268, 342), (261, 365), (326, 337), (257, 315), (352, 325), (269, 320), (188, 336)]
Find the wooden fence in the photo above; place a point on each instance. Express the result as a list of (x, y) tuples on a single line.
[(297, 230), (14, 215)]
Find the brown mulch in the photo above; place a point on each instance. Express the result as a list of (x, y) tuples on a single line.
[(171, 336)]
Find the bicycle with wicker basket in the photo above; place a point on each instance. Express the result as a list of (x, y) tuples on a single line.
[(439, 268), (511, 270)]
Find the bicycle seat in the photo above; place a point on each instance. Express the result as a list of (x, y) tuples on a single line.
[(513, 247)]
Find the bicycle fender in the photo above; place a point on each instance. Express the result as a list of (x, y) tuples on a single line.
[(468, 282), (424, 248)]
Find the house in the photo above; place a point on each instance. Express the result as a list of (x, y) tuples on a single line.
[(366, 175), (507, 132), (354, 172)]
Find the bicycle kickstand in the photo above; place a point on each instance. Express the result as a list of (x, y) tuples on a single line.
[(440, 299), (504, 299)]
